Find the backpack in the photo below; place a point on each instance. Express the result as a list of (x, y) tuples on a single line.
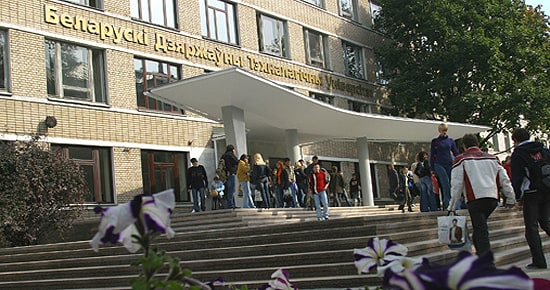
[(539, 171), (221, 172)]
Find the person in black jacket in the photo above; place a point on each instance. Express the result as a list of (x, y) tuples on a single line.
[(534, 200), (231, 162), (197, 182), (422, 169)]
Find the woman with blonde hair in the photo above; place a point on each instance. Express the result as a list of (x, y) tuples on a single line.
[(261, 174), (243, 175)]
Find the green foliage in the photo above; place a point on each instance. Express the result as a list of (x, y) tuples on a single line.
[(40, 193), (483, 62)]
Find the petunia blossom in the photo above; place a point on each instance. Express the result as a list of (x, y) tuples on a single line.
[(281, 281), (379, 252), (117, 223), (467, 272), (400, 264)]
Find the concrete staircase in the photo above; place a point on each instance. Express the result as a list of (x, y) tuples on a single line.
[(244, 246)]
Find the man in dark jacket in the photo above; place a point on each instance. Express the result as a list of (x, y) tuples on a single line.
[(198, 181), (535, 201), (231, 162)]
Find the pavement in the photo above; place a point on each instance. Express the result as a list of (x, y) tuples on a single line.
[(534, 273)]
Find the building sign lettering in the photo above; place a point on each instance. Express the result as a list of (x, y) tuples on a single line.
[(164, 44)]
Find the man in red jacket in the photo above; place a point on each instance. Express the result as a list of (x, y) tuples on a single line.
[(319, 181)]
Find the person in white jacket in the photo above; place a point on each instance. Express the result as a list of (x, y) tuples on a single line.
[(480, 176)]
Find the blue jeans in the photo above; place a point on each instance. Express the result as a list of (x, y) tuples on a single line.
[(231, 190), (263, 187), (536, 212), (294, 189), (319, 198), (279, 195), (427, 195), (247, 198), (480, 210), (443, 173), (198, 193)]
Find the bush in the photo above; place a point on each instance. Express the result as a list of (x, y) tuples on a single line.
[(40, 193)]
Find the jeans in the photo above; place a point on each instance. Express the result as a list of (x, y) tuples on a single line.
[(198, 193), (294, 189), (231, 190), (536, 212), (427, 195), (263, 187), (319, 198), (279, 195), (480, 210), (248, 202), (302, 194), (443, 173)]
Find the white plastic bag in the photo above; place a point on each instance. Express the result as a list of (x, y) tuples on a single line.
[(452, 231)]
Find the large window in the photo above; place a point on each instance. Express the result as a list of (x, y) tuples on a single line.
[(380, 78), (316, 48), (323, 98), (4, 71), (374, 10), (96, 163), (218, 21), (348, 9), (89, 3), (318, 3), (151, 74), (159, 12), (75, 72), (273, 36), (163, 170), (358, 106), (353, 60)]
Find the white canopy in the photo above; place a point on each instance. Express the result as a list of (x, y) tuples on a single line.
[(270, 109)]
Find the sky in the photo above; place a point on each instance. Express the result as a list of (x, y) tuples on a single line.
[(545, 4)]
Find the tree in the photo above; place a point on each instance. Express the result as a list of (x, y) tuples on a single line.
[(40, 193), (484, 62)]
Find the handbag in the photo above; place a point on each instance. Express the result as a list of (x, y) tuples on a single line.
[(213, 192), (452, 231)]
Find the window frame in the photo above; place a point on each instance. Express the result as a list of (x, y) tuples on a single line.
[(323, 62), (169, 21), (4, 62), (358, 106), (374, 10), (358, 51), (282, 33), (98, 4), (209, 14), (171, 171), (319, 3), (95, 70), (322, 97), (102, 187), (160, 106), (352, 15)]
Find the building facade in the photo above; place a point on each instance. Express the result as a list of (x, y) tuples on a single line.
[(77, 73)]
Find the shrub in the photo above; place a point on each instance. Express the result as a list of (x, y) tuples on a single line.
[(40, 192)]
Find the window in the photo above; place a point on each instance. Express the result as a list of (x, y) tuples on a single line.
[(318, 3), (151, 74), (348, 9), (218, 21), (273, 36), (163, 170), (323, 98), (380, 78), (358, 106), (4, 71), (316, 48), (75, 72), (160, 12), (89, 3), (353, 60), (96, 163), (374, 10)]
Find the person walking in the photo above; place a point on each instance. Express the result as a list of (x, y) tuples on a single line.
[(476, 173), (319, 181), (198, 181), (442, 151), (534, 200), (403, 194), (301, 182), (355, 189), (231, 162), (422, 171), (393, 178), (337, 187)]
